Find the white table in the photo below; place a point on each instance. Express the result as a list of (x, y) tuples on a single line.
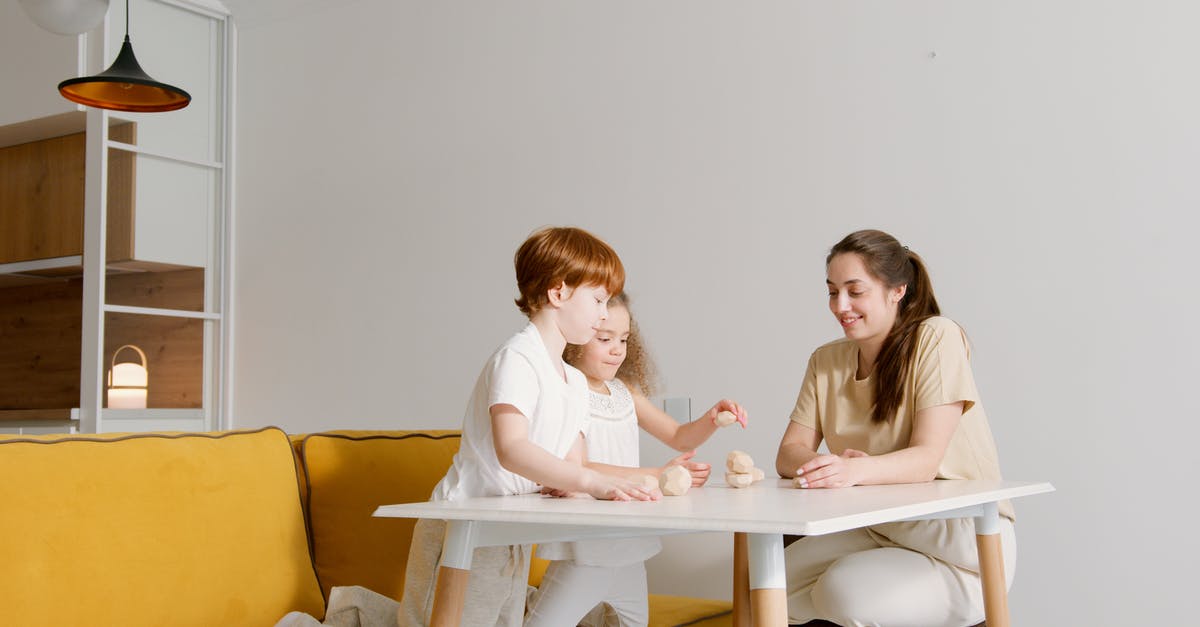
[(762, 512)]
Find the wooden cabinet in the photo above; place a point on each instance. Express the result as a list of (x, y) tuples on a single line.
[(41, 199), (41, 308)]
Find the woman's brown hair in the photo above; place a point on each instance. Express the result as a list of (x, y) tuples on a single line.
[(894, 265), (637, 371)]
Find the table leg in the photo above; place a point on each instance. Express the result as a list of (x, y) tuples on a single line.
[(449, 597), (768, 589), (991, 567), (741, 582), (451, 591)]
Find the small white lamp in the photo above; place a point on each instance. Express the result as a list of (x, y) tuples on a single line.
[(66, 17), (128, 382)]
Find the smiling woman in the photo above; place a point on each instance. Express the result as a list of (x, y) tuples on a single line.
[(895, 401)]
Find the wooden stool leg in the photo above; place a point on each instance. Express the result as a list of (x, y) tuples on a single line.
[(741, 582), (449, 596), (991, 567)]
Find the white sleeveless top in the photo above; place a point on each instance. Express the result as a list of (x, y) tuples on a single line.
[(611, 433)]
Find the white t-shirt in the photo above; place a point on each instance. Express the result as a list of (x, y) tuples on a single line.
[(611, 434), (520, 373)]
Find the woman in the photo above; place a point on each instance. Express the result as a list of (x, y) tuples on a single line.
[(895, 402)]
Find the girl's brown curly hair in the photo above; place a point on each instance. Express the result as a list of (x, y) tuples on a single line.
[(637, 371)]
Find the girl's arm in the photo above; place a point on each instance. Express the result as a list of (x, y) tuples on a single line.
[(516, 453), (681, 437), (698, 470), (915, 463)]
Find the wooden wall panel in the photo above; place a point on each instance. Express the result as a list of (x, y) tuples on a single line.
[(40, 339), (39, 345), (41, 198)]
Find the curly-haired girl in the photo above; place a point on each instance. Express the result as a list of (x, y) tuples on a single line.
[(620, 378)]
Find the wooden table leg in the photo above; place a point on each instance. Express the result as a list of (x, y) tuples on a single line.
[(991, 567), (741, 582), (449, 597), (768, 589), (458, 547)]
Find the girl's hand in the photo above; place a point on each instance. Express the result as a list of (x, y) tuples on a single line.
[(830, 471), (698, 470), (612, 488), (729, 406)]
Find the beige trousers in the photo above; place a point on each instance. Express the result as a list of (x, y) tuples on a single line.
[(495, 588), (903, 574)]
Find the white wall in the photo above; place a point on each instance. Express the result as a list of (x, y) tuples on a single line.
[(1040, 155), (34, 62)]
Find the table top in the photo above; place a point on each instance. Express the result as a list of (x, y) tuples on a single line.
[(769, 506)]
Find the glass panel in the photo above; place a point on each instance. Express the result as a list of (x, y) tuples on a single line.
[(174, 361), (174, 212), (180, 48)]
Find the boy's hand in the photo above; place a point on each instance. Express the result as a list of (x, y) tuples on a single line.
[(612, 488), (557, 493), (698, 470), (731, 407)]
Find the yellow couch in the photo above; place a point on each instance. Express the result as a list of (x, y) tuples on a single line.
[(206, 529)]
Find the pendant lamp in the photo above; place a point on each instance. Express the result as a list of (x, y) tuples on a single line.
[(124, 86)]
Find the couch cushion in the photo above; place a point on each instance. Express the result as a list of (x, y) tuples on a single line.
[(673, 611), (153, 529), (349, 474)]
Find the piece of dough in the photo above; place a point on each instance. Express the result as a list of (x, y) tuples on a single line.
[(675, 481), (739, 479), (739, 461), (726, 418)]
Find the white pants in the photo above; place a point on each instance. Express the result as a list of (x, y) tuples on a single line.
[(903, 574), (495, 588), (570, 591)]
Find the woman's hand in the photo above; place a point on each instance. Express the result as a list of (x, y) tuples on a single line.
[(729, 406), (698, 470), (831, 471)]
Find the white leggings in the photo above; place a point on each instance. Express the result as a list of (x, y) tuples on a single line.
[(906, 574), (569, 591)]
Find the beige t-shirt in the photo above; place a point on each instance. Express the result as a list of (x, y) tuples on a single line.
[(839, 407)]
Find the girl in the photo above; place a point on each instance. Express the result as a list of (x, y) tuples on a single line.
[(523, 424), (896, 403), (620, 377)]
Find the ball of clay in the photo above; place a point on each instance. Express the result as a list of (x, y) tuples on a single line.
[(757, 473), (675, 481), (738, 461), (739, 479), (726, 418)]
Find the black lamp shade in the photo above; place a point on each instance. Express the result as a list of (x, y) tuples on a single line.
[(124, 86)]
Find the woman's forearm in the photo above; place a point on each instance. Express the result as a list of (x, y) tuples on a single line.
[(915, 464), (792, 457)]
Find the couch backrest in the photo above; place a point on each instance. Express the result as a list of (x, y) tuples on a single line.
[(153, 529), (347, 475)]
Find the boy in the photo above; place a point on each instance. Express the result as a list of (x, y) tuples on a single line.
[(523, 422)]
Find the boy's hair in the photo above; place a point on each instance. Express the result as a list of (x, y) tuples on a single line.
[(564, 254)]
